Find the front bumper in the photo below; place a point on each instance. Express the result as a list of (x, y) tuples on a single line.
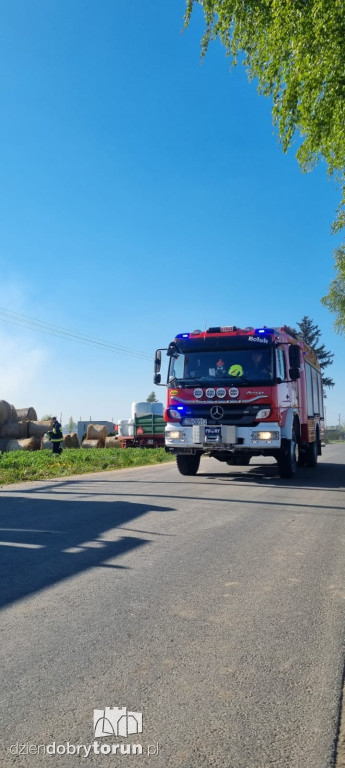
[(258, 438)]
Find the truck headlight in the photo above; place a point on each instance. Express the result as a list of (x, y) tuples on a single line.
[(175, 435), (173, 414), (265, 435), (263, 414)]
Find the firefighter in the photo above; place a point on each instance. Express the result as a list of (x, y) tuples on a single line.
[(256, 360), (220, 367), (257, 366), (55, 435)]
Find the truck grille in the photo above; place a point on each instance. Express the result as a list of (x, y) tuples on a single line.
[(234, 414)]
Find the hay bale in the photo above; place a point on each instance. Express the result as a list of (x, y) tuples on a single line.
[(71, 440), (14, 415), (92, 444), (3, 444), (112, 442), (14, 429), (30, 444), (27, 414), (96, 432), (46, 444), (75, 440), (39, 428), (5, 411)]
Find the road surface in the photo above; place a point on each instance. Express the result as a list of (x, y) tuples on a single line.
[(212, 605)]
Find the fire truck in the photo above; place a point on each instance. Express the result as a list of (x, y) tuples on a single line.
[(236, 393)]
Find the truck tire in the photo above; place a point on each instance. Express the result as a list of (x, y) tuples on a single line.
[(187, 465), (312, 453), (287, 460)]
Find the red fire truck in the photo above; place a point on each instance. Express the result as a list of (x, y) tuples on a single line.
[(236, 393)]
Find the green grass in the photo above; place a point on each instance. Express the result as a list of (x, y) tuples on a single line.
[(16, 466)]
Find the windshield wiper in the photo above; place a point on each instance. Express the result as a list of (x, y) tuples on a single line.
[(187, 382), (183, 382)]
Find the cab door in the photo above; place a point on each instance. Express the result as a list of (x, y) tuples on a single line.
[(285, 395)]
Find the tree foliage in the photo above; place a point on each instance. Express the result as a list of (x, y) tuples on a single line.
[(295, 49), (335, 299), (152, 398), (71, 424), (311, 333)]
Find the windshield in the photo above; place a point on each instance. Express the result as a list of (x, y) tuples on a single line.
[(229, 367)]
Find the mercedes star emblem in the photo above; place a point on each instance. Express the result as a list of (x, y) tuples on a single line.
[(217, 412)]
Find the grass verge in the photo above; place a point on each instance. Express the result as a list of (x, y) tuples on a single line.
[(16, 466)]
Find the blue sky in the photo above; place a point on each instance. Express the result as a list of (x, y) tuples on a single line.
[(142, 194)]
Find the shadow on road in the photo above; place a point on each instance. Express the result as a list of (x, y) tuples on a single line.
[(325, 475), (45, 541)]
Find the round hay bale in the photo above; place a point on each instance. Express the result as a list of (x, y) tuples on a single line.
[(74, 440), (92, 444), (96, 432), (39, 428), (30, 444), (71, 440), (46, 444), (14, 415), (5, 411), (112, 442), (15, 429), (29, 414), (3, 444)]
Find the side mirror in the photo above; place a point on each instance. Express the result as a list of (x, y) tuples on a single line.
[(294, 357), (157, 378), (158, 360), (295, 373)]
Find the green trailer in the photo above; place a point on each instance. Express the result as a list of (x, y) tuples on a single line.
[(149, 432)]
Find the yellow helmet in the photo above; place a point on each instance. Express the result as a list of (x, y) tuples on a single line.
[(236, 371)]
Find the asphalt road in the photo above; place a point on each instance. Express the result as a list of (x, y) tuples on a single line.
[(214, 605)]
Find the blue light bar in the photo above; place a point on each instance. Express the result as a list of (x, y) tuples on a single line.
[(182, 336), (264, 330)]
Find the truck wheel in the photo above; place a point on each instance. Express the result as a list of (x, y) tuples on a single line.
[(312, 452), (241, 459), (187, 465), (287, 460)]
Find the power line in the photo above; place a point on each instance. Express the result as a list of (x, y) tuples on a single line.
[(33, 323)]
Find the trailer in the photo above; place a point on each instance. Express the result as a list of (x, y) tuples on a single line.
[(148, 432)]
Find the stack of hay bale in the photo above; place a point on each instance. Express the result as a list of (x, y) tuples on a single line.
[(112, 441), (96, 436), (71, 441), (19, 428)]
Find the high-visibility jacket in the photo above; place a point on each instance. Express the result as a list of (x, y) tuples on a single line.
[(55, 434)]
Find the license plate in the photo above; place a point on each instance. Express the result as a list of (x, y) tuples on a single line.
[(213, 434), (190, 422)]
